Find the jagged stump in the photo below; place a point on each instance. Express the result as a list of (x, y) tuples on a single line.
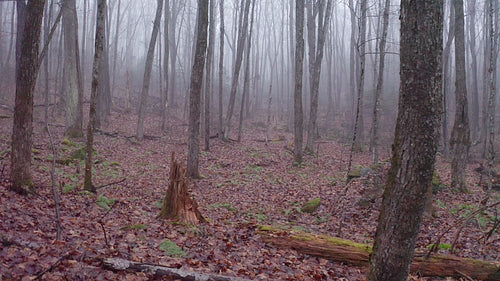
[(178, 205)]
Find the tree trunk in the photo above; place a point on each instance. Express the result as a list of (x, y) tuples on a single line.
[(446, 77), (147, 72), (208, 78), (237, 66), (297, 100), (221, 68), (195, 90), (99, 47), (74, 97), (315, 58), (415, 142), (346, 251), (460, 135), (178, 204), (22, 129), (244, 98), (380, 84), (471, 22), (361, 46), (164, 95)]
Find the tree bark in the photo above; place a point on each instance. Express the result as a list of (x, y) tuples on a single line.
[(237, 67), (74, 99), (380, 84), (297, 100), (147, 72), (460, 135), (178, 204), (347, 251), (446, 77), (118, 264), (195, 90), (22, 129), (474, 87), (208, 78), (99, 47), (415, 142), (316, 51)]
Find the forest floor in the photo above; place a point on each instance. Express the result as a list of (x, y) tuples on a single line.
[(243, 184)]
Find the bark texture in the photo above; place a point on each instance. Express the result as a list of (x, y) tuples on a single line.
[(460, 135), (147, 72), (74, 110), (415, 142), (195, 90), (22, 129), (346, 251), (99, 47), (298, 138), (178, 204)]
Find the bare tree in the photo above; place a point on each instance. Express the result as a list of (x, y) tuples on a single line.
[(208, 78), (242, 35), (471, 23), (74, 96), (164, 95), (195, 90), (380, 84), (416, 140), (316, 10), (99, 47), (460, 135), (147, 72), (299, 61), (22, 129), (446, 78)]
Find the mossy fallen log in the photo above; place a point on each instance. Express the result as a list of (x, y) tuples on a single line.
[(347, 251)]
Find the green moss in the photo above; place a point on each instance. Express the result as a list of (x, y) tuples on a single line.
[(311, 205), (171, 248), (67, 142)]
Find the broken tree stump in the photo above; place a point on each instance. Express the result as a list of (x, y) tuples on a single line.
[(177, 204), (343, 250)]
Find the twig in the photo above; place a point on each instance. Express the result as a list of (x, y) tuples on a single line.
[(54, 189), (465, 275), (52, 266), (102, 225), (111, 183)]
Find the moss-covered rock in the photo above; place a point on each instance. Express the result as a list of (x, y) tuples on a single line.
[(311, 205)]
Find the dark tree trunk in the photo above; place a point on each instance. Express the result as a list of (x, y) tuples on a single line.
[(208, 78), (299, 61), (164, 95), (415, 142), (221, 67), (99, 47), (22, 129), (460, 135), (147, 72), (195, 90)]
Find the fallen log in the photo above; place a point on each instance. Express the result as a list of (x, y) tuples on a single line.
[(117, 264), (346, 251)]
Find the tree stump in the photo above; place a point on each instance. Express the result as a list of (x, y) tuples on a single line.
[(178, 205)]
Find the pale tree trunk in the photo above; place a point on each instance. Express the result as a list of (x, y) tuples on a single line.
[(358, 137), (237, 66), (246, 79), (446, 78), (415, 143), (147, 72), (74, 102), (471, 22), (297, 96), (164, 95), (316, 51), (460, 135), (352, 61), (195, 90), (208, 77), (380, 84), (221, 67), (115, 49), (99, 47), (22, 129), (492, 14)]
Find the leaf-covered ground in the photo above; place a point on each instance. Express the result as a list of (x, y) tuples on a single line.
[(243, 184)]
